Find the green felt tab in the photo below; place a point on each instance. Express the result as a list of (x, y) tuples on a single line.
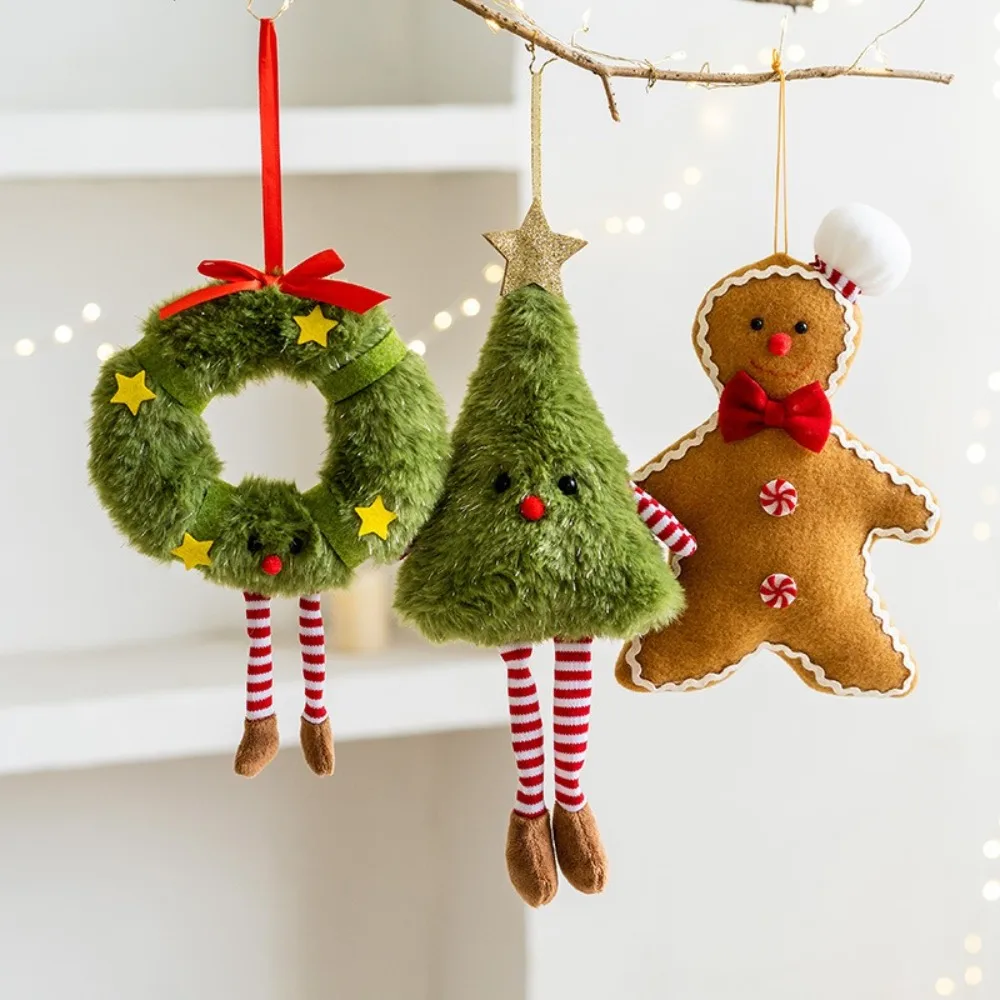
[(365, 370), (180, 385), (336, 521), (207, 523)]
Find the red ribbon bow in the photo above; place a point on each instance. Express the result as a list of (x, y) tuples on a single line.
[(308, 280), (745, 409)]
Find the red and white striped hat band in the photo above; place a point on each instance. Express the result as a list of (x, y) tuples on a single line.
[(840, 281)]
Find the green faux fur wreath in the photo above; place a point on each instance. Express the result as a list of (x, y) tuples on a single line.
[(156, 471)]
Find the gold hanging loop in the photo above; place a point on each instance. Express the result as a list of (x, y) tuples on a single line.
[(283, 9)]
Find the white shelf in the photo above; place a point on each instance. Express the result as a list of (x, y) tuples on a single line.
[(350, 140), (185, 699)]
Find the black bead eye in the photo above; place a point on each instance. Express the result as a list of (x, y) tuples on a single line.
[(254, 544), (802, 326), (502, 482), (298, 546), (756, 323), (568, 485)]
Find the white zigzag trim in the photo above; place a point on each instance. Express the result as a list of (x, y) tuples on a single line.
[(850, 337), (900, 479)]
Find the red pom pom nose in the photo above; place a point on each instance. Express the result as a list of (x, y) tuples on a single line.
[(532, 508), (271, 565), (779, 344)]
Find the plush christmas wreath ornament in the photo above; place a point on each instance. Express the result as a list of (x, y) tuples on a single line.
[(159, 476)]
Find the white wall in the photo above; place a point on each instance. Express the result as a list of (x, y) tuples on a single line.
[(177, 880), (767, 842)]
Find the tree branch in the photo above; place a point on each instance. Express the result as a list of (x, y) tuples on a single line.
[(606, 67), (789, 3)]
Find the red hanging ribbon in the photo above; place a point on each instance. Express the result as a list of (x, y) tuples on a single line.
[(311, 278)]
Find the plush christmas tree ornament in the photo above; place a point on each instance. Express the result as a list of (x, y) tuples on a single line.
[(159, 476), (786, 504), (537, 536)]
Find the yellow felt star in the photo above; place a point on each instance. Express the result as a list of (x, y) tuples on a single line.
[(534, 254), (375, 520), (193, 552), (315, 327), (133, 392)]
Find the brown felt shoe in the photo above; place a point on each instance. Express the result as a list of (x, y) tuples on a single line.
[(531, 862), (317, 745), (258, 747), (579, 849)]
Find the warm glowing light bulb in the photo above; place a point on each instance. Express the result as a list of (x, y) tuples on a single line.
[(418, 347), (944, 987), (672, 201), (796, 53), (493, 273), (692, 175), (991, 891), (635, 224), (981, 533), (443, 320), (91, 312), (471, 307), (24, 348), (614, 225), (975, 453), (992, 849), (104, 351), (62, 334), (973, 976), (714, 120), (973, 944)]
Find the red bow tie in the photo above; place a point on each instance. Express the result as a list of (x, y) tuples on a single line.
[(745, 409)]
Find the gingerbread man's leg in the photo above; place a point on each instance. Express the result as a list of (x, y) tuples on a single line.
[(710, 636), (849, 651)]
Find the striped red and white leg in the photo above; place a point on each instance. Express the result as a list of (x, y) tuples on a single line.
[(527, 737), (571, 719), (260, 729), (577, 838), (531, 862), (315, 732)]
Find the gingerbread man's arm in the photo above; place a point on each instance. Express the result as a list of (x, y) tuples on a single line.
[(673, 478), (899, 503)]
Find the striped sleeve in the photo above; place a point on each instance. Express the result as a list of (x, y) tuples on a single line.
[(664, 525)]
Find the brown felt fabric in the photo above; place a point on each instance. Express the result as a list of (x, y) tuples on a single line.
[(531, 860), (781, 302), (258, 747), (714, 490), (579, 849), (317, 746)]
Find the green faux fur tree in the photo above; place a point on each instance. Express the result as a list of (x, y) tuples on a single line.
[(480, 570)]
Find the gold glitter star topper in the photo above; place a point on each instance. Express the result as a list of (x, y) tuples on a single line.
[(534, 254)]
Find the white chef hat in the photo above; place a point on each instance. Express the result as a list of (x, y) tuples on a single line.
[(860, 249)]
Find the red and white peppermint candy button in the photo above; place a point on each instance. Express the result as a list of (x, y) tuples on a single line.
[(779, 498), (778, 591)]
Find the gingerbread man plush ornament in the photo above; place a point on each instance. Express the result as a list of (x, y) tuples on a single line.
[(786, 503)]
